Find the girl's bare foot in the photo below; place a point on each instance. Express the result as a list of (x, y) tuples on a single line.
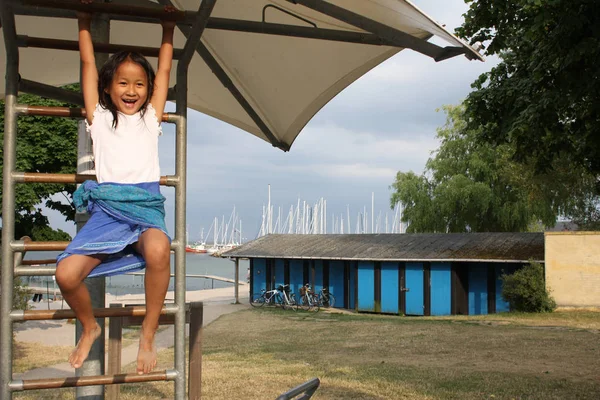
[(146, 360), (84, 345)]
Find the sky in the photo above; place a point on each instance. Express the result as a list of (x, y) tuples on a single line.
[(351, 150)]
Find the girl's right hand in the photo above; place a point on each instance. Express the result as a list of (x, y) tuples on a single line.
[(86, 16)]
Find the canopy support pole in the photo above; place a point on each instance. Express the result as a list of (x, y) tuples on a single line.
[(191, 43)]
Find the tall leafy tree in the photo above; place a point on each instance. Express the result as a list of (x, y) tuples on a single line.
[(469, 185), (544, 96), (47, 145)]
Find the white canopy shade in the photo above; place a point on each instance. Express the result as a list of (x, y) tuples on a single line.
[(269, 84)]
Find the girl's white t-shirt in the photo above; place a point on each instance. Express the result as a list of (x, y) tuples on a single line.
[(129, 153)]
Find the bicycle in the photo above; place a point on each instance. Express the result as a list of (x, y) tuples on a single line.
[(264, 297), (288, 299), (326, 299), (279, 297), (308, 299)]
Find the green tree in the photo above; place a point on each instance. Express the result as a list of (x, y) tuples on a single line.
[(544, 96), (469, 185), (47, 145)]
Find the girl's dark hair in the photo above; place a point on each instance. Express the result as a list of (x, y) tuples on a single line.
[(107, 73)]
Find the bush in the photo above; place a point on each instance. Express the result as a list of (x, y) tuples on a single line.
[(525, 290)]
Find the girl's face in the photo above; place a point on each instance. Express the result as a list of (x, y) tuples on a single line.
[(129, 88)]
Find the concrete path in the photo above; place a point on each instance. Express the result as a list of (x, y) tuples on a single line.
[(217, 302)]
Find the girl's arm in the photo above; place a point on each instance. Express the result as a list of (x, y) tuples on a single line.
[(89, 72), (163, 73)]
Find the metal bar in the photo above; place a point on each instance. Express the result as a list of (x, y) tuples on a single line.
[(43, 90), (37, 177), (79, 381), (71, 45), (34, 271), (132, 311), (38, 262), (235, 25), (307, 389), (8, 195), (115, 337), (269, 28), (399, 38), (193, 38), (195, 350), (17, 245), (65, 112), (111, 8)]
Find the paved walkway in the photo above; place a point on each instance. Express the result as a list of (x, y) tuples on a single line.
[(217, 302)]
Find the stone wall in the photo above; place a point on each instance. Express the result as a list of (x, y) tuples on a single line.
[(572, 263)]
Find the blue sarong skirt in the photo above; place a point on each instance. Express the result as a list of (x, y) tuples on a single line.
[(119, 214)]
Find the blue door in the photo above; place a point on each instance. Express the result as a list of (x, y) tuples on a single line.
[(296, 275), (259, 275), (478, 289), (415, 298), (366, 286), (279, 272), (389, 287), (336, 282), (352, 286), (318, 283), (441, 295)]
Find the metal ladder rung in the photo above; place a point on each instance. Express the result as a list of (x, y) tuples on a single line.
[(72, 45), (94, 380), (37, 177), (69, 112), (110, 8), (129, 311), (25, 246), (22, 270)]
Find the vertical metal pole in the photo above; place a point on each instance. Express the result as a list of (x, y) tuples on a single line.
[(8, 195), (196, 318), (193, 38), (180, 214), (237, 281), (94, 365)]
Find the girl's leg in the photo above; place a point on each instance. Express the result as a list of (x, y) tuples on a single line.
[(154, 246), (70, 274)]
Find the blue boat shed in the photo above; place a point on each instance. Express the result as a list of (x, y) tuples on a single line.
[(405, 274)]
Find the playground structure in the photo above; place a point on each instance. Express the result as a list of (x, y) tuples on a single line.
[(357, 30)]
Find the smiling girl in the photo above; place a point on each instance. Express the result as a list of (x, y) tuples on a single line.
[(126, 230)]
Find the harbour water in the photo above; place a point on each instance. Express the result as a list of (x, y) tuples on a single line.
[(196, 264)]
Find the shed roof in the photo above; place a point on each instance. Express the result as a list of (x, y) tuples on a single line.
[(497, 247)]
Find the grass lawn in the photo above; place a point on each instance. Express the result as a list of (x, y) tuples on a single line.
[(261, 353)]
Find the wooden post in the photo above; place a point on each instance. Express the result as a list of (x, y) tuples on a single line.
[(115, 336), (195, 367)]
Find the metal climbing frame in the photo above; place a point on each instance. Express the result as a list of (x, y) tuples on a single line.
[(12, 249)]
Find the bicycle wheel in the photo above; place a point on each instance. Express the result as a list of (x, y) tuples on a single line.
[(326, 300), (316, 302), (286, 303), (257, 300), (305, 304), (330, 300), (278, 301)]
